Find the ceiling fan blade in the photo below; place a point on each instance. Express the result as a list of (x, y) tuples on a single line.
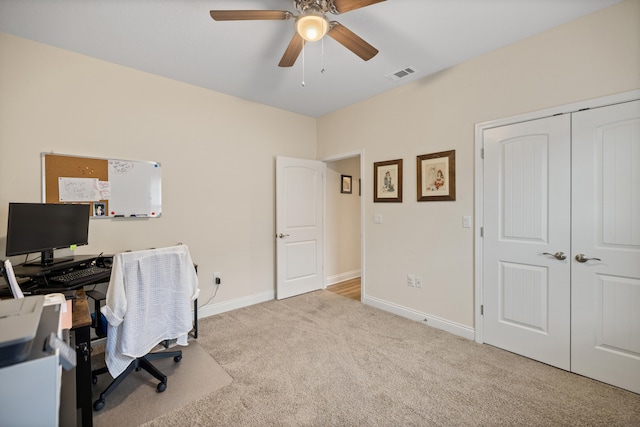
[(292, 52), (351, 41), (245, 15), (343, 6)]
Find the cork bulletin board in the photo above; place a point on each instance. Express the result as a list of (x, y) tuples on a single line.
[(113, 187)]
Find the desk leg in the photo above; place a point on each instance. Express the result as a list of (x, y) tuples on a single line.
[(195, 318), (83, 374)]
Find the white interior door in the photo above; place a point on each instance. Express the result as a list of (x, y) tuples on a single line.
[(527, 214), (299, 226), (605, 306)]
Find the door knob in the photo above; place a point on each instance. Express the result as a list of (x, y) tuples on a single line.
[(583, 258), (558, 255), (282, 236)]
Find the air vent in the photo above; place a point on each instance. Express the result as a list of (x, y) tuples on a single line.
[(401, 74)]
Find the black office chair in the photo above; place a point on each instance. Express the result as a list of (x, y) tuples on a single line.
[(143, 362), (148, 303)]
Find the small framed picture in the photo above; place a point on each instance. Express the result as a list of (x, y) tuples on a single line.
[(345, 184), (387, 181), (437, 176), (99, 209)]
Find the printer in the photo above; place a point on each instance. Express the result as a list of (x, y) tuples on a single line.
[(19, 320), (31, 360)]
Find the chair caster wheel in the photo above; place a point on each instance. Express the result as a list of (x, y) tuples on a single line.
[(98, 405), (161, 387), (177, 358)]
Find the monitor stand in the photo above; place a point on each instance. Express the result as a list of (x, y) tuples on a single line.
[(47, 259)]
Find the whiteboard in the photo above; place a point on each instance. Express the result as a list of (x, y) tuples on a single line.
[(135, 188), (114, 187)]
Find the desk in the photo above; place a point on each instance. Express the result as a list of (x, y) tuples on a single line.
[(81, 338), (34, 271)]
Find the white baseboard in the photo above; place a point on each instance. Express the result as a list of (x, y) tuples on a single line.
[(436, 322), (223, 307), (337, 278)]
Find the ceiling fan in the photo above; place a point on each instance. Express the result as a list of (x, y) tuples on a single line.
[(311, 25)]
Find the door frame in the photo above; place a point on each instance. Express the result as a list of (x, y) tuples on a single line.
[(479, 183), (334, 158)]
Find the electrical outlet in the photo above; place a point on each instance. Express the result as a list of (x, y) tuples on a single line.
[(216, 278), (411, 280), (418, 281)]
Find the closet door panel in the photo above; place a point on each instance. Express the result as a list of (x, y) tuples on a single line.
[(526, 222), (605, 264)]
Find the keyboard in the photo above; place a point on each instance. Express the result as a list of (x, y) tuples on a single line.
[(88, 275)]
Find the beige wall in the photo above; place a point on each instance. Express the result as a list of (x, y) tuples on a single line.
[(342, 222), (594, 56), (217, 154)]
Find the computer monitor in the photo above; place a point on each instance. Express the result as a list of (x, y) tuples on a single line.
[(44, 227)]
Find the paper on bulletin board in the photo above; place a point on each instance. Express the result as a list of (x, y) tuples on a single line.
[(78, 189), (104, 189)]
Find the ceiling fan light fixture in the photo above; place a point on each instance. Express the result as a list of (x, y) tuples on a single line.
[(312, 25)]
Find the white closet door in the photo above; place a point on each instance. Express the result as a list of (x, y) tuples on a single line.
[(606, 228), (527, 196)]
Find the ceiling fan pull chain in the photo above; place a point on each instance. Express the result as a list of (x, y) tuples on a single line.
[(322, 54), (303, 64)]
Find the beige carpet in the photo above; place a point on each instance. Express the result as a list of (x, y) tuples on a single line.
[(136, 401), (324, 360)]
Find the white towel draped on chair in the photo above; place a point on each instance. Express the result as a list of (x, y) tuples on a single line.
[(149, 300)]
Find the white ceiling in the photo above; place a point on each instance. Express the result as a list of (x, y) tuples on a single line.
[(179, 40)]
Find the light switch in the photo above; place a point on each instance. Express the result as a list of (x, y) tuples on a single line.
[(466, 221), (377, 218)]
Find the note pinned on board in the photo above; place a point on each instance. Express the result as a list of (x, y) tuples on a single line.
[(78, 189), (104, 189)]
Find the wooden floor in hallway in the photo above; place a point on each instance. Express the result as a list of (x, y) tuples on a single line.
[(349, 288)]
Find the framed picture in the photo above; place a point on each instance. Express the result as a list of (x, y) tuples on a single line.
[(387, 181), (345, 184), (437, 176), (99, 209)]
